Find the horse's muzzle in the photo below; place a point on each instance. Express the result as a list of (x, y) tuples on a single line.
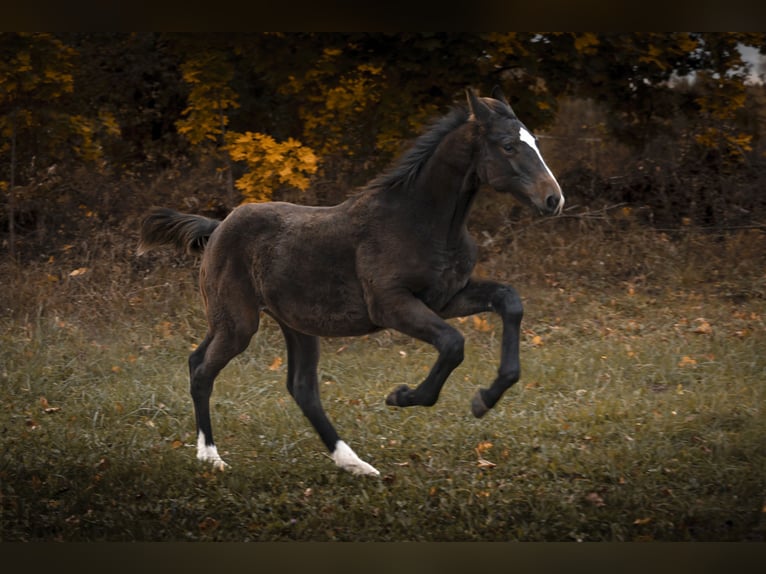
[(554, 203)]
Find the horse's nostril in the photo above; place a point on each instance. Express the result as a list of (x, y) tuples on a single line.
[(552, 202)]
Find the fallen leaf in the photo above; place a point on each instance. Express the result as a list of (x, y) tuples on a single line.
[(275, 364), (687, 361), (641, 521), (537, 341), (209, 523), (481, 324), (483, 446), (79, 271), (703, 327), (484, 463), (595, 499), (176, 444)]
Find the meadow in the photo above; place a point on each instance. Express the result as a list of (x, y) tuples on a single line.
[(638, 417)]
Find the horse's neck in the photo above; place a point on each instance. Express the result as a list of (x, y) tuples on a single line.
[(448, 185)]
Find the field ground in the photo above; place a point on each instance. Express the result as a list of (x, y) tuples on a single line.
[(639, 415)]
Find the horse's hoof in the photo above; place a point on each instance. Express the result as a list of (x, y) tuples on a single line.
[(396, 398), (347, 459), (478, 407)]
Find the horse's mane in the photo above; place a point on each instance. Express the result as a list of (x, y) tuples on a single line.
[(406, 168)]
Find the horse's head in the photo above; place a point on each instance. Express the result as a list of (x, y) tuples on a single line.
[(509, 159)]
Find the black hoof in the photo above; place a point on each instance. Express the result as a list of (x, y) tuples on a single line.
[(397, 398), (478, 407)]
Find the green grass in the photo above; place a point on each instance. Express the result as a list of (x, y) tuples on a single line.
[(639, 415)]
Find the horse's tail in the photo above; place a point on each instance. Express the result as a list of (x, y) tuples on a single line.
[(188, 233)]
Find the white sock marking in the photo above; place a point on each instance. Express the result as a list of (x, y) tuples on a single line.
[(346, 458), (209, 453)]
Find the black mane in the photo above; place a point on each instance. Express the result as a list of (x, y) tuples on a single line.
[(406, 168)]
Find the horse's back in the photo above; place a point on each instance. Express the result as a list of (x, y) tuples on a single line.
[(299, 263)]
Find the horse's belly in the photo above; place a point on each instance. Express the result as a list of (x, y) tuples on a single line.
[(320, 307)]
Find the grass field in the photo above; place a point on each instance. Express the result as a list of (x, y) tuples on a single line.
[(639, 415)]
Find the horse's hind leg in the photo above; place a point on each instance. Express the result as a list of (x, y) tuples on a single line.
[(213, 354), (303, 384)]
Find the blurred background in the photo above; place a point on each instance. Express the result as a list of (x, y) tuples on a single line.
[(96, 127)]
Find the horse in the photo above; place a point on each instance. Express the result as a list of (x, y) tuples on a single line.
[(395, 255)]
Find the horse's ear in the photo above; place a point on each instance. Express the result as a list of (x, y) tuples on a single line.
[(479, 109), (497, 93)]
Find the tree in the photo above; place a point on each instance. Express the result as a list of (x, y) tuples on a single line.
[(35, 73), (205, 119)]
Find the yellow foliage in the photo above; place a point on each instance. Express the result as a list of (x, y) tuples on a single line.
[(271, 164), (653, 55), (39, 71), (335, 102), (719, 103), (586, 42), (210, 97)]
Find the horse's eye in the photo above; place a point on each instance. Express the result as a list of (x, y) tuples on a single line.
[(508, 147)]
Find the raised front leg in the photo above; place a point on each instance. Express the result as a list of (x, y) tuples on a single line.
[(481, 296), (407, 314)]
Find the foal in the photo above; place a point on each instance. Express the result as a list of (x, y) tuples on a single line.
[(397, 256)]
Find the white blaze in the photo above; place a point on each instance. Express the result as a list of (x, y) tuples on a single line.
[(529, 139)]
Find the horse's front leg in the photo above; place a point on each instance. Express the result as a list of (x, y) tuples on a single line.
[(409, 315), (480, 296)]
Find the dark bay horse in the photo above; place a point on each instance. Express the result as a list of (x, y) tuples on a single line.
[(397, 255)]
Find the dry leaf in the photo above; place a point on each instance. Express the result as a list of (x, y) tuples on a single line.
[(641, 521), (484, 463), (481, 324), (703, 327), (595, 499), (483, 446), (47, 408), (79, 271), (687, 361), (176, 444), (275, 364), (209, 523), (537, 341)]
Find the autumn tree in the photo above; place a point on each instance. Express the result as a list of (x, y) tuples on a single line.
[(35, 73), (269, 164)]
